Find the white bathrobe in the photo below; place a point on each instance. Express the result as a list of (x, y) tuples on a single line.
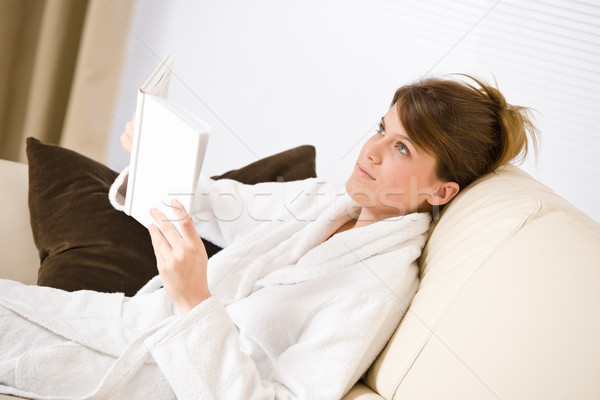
[(293, 315)]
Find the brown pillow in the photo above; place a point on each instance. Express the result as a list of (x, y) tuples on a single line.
[(84, 243), (291, 165)]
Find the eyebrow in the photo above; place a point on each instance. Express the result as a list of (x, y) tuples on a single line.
[(401, 136)]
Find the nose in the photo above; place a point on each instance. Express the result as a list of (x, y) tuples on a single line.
[(375, 159), (374, 152)]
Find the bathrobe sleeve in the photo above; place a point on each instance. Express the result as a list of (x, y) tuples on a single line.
[(201, 356), (224, 210)]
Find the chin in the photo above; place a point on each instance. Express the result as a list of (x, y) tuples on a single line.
[(348, 184), (351, 188)]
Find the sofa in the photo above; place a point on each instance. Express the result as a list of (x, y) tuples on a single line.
[(508, 305)]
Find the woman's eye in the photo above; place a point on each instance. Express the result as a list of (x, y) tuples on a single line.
[(402, 148), (381, 129)]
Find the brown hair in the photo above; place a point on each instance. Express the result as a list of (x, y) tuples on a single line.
[(471, 130)]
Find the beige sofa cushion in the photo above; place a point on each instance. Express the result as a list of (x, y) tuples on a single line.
[(508, 286), (20, 260)]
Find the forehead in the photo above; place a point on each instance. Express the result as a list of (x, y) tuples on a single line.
[(392, 120), (393, 126)]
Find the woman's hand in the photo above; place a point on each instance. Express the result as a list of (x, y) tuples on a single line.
[(127, 136), (181, 259)]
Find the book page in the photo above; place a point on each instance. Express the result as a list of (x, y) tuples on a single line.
[(158, 82)]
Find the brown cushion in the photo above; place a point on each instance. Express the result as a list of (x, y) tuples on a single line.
[(84, 243), (291, 165)]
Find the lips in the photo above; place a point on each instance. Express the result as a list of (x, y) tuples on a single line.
[(362, 172)]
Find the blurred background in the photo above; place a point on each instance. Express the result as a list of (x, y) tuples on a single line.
[(270, 75)]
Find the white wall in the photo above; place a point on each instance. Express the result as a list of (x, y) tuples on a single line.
[(269, 75)]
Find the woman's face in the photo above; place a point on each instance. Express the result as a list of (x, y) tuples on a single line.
[(392, 176)]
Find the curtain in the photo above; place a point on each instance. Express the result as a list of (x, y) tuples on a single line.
[(59, 72)]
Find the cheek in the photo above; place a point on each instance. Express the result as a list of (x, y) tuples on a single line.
[(395, 193), (400, 184)]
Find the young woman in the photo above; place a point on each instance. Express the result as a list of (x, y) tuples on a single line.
[(313, 279)]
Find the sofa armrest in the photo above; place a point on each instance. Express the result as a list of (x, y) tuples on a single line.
[(360, 391), (20, 260)]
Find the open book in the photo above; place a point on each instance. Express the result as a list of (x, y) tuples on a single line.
[(167, 151)]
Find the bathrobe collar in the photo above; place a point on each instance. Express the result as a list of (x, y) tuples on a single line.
[(345, 248)]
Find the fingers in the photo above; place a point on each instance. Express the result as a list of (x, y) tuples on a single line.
[(166, 227), (181, 260), (126, 142), (188, 231), (159, 243), (170, 233), (127, 136)]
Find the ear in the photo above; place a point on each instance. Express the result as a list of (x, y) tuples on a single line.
[(443, 193)]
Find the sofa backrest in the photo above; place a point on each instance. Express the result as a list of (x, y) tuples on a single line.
[(509, 300)]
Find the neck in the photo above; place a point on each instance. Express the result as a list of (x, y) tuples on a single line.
[(368, 217), (364, 218)]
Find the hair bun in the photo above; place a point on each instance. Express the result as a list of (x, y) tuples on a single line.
[(514, 123)]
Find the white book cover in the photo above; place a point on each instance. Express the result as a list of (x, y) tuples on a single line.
[(168, 148)]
